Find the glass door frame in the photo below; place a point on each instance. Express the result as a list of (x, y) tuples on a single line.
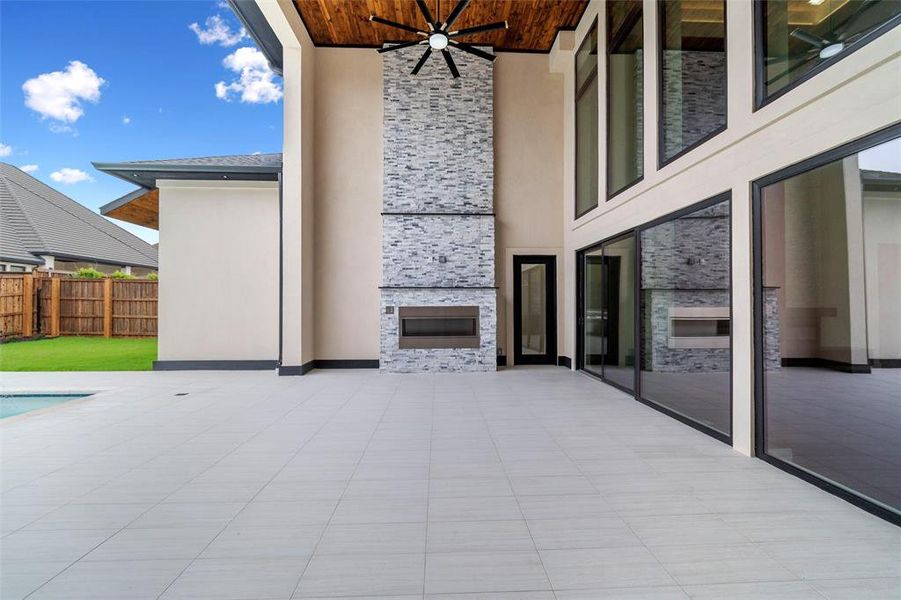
[(550, 264)]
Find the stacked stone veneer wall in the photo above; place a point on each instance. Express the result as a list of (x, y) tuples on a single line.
[(438, 231)]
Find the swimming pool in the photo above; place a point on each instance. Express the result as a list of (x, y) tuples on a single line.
[(16, 404)]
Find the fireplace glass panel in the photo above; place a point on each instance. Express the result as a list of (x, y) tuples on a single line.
[(685, 316), (440, 327)]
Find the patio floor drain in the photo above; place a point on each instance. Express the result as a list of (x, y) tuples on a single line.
[(182, 394)]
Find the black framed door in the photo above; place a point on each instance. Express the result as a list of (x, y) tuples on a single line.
[(534, 310)]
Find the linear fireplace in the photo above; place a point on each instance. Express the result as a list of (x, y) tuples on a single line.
[(438, 327)]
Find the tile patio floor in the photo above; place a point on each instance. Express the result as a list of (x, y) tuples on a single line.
[(527, 484)]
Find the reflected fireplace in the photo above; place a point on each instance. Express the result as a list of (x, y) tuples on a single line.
[(438, 327)]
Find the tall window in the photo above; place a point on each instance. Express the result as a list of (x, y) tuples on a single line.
[(829, 338), (802, 37), (686, 354), (587, 123), (625, 95), (692, 73)]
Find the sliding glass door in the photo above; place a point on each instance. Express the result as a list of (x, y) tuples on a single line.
[(608, 311), (666, 337), (828, 287), (686, 358)]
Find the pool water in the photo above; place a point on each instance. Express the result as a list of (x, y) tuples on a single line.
[(16, 404)]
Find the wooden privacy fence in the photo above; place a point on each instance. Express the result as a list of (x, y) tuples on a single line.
[(64, 306)]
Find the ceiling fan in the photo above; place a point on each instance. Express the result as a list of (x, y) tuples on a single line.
[(440, 36), (833, 44), (826, 46)]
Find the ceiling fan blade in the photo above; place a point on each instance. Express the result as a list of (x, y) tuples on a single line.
[(425, 57), (454, 14), (376, 19), (399, 46), (805, 36), (472, 50), (424, 9), (480, 28), (853, 18), (450, 63)]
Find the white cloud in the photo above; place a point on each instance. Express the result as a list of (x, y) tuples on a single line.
[(58, 95), (5, 150), (256, 82), (29, 168), (217, 31), (70, 176), (126, 120)]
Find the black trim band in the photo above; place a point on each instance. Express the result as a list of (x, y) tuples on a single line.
[(825, 363), (885, 363), (346, 363), (564, 361), (501, 360), (329, 363), (214, 365), (303, 369)]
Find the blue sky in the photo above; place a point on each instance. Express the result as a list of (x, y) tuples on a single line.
[(158, 97)]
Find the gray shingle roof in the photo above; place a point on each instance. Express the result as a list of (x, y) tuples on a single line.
[(36, 219), (273, 160), (238, 166)]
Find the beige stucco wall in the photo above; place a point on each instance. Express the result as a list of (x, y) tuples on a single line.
[(348, 193), (218, 291), (856, 96), (528, 173), (347, 177)]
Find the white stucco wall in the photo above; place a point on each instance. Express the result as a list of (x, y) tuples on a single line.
[(218, 291)]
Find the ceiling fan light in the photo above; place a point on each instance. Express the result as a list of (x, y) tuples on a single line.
[(832, 50), (438, 41)]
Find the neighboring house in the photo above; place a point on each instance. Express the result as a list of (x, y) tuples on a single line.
[(41, 228), (615, 193)]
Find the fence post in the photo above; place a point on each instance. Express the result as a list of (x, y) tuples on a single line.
[(27, 305), (108, 307), (54, 306)]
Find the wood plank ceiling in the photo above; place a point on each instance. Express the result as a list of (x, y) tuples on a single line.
[(533, 23)]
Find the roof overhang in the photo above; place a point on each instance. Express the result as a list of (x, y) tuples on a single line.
[(259, 29), (21, 260), (141, 207), (146, 175)]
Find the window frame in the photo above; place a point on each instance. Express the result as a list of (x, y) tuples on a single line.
[(662, 161), (761, 99), (887, 134), (579, 92), (609, 48)]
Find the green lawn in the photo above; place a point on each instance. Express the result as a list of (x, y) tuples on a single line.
[(79, 354)]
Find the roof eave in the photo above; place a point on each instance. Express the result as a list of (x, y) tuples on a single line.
[(122, 201), (146, 175), (259, 29), (21, 261)]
